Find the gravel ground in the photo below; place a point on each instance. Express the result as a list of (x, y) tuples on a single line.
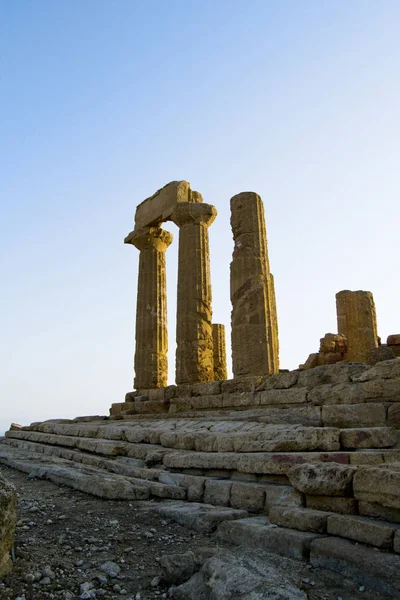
[(71, 545)]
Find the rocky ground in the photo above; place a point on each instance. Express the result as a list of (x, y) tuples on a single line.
[(70, 545)]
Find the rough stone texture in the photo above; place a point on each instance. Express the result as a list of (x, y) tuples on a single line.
[(362, 529), (336, 504), (372, 437), (302, 519), (331, 374), (251, 498), (356, 318), (151, 363), (378, 511), (258, 532), (220, 370), (354, 415), (380, 485), (255, 346), (326, 479), (8, 502), (194, 353), (393, 342), (217, 492), (158, 208), (228, 576), (378, 571)]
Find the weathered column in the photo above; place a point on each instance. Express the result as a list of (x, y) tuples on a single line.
[(151, 363), (356, 318), (219, 352), (194, 351), (255, 344)]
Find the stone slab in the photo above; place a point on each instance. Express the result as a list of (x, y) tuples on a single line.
[(323, 479), (368, 437), (303, 519), (159, 207), (378, 485), (354, 415), (334, 504), (260, 533), (363, 529)]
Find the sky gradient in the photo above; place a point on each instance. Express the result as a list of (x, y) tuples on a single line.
[(103, 102)]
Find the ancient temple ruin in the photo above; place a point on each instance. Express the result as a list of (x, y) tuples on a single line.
[(200, 351), (303, 463)]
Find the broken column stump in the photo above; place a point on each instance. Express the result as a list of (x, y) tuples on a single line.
[(356, 318)]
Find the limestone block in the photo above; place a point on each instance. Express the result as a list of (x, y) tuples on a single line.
[(393, 340), (356, 317), (378, 485), (219, 349), (287, 438), (206, 388), (370, 437), (378, 571), (201, 517), (379, 389), (332, 374), (279, 463), (289, 396), (217, 492), (394, 415), (302, 415), (302, 519), (326, 479), (184, 391), (379, 354), (194, 353), (8, 502), (378, 511), (258, 533), (180, 405), (354, 415), (205, 402), (334, 504), (340, 393), (333, 343), (239, 385), (255, 346), (241, 399), (247, 496), (282, 495), (159, 207), (282, 380), (362, 529), (387, 369), (170, 392), (364, 458)]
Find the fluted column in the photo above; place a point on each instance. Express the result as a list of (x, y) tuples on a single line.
[(194, 352), (151, 363), (219, 352), (255, 343)]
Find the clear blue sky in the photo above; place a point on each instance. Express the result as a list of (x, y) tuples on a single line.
[(103, 102)]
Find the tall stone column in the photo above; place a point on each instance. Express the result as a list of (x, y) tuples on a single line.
[(356, 318), (219, 352), (151, 363), (255, 343), (194, 352)]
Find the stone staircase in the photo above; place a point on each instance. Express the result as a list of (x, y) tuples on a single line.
[(285, 460)]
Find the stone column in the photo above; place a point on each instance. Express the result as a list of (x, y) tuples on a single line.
[(220, 370), (151, 363), (255, 344), (356, 318), (194, 351)]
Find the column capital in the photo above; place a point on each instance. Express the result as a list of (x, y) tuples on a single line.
[(152, 237), (193, 212)]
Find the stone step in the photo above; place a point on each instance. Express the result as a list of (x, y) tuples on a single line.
[(302, 519), (258, 532), (379, 571), (198, 516), (83, 478), (254, 496), (365, 530)]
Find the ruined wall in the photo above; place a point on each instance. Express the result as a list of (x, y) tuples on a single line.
[(8, 502)]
